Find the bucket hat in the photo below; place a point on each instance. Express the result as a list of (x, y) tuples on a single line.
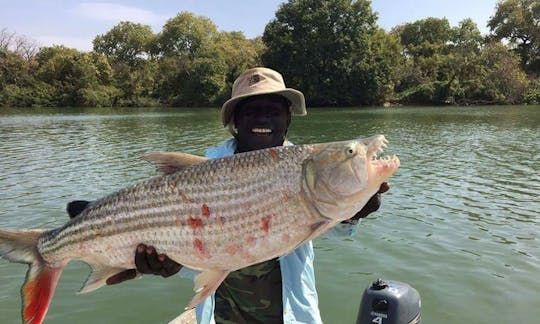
[(259, 81)]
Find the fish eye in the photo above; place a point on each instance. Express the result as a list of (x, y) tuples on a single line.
[(349, 151)]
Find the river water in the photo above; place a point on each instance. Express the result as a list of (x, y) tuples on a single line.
[(460, 223)]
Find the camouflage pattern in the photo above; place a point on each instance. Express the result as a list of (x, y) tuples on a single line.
[(235, 299)]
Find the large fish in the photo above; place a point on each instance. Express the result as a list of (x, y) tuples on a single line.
[(215, 216)]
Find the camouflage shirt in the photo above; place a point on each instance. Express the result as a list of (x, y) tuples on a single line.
[(251, 295)]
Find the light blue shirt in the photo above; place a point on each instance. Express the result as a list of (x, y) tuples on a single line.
[(300, 301)]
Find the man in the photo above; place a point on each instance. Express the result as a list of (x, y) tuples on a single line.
[(281, 290)]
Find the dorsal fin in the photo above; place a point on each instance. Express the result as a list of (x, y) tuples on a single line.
[(75, 207), (171, 162)]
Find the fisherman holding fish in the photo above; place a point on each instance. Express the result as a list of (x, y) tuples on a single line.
[(245, 221), (280, 290)]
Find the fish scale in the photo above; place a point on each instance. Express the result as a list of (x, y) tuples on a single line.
[(215, 216), (131, 208)]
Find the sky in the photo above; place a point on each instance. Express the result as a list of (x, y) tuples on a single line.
[(76, 23)]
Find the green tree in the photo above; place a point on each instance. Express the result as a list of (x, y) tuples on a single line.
[(185, 35), (462, 68), (503, 81), (238, 54), (191, 71), (75, 75), (18, 85), (13, 69), (518, 21), (424, 77), (324, 49), (127, 46), (127, 43)]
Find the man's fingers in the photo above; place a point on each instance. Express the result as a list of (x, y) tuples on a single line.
[(148, 261), (170, 267), (141, 259), (152, 259), (121, 277)]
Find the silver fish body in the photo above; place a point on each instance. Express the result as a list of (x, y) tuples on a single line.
[(225, 213), (215, 216)]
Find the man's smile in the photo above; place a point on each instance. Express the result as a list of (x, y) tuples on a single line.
[(261, 131)]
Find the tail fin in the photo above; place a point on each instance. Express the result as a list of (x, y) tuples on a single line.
[(40, 283)]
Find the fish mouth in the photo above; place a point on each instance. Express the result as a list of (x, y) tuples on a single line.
[(384, 165), (261, 131)]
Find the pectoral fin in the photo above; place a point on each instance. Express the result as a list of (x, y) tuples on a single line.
[(206, 283), (98, 278), (171, 162)]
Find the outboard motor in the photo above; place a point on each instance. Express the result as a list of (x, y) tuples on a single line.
[(389, 302)]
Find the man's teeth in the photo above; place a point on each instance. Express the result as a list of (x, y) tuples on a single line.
[(261, 130)]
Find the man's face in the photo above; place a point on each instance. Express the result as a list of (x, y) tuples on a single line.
[(261, 122)]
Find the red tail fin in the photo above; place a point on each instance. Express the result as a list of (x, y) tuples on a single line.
[(40, 283), (37, 292)]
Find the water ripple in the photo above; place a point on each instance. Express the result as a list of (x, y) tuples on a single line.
[(461, 215)]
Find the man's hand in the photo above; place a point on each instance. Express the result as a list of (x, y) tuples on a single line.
[(373, 203), (147, 261)]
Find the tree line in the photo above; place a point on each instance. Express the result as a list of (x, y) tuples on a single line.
[(331, 50)]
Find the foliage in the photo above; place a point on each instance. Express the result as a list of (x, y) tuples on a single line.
[(426, 76), (333, 51), (447, 65), (72, 73), (532, 96), (185, 36), (324, 49), (238, 54), (127, 46), (518, 21), (501, 79), (191, 73), (126, 43)]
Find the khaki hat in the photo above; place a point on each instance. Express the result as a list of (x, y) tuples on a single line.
[(259, 81)]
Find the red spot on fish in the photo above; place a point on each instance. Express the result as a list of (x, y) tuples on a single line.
[(195, 223), (266, 224), (205, 211), (172, 185), (250, 240), (199, 247), (273, 153), (232, 249)]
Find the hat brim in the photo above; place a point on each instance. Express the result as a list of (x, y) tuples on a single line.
[(298, 103)]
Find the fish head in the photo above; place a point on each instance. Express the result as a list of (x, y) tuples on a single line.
[(342, 176)]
